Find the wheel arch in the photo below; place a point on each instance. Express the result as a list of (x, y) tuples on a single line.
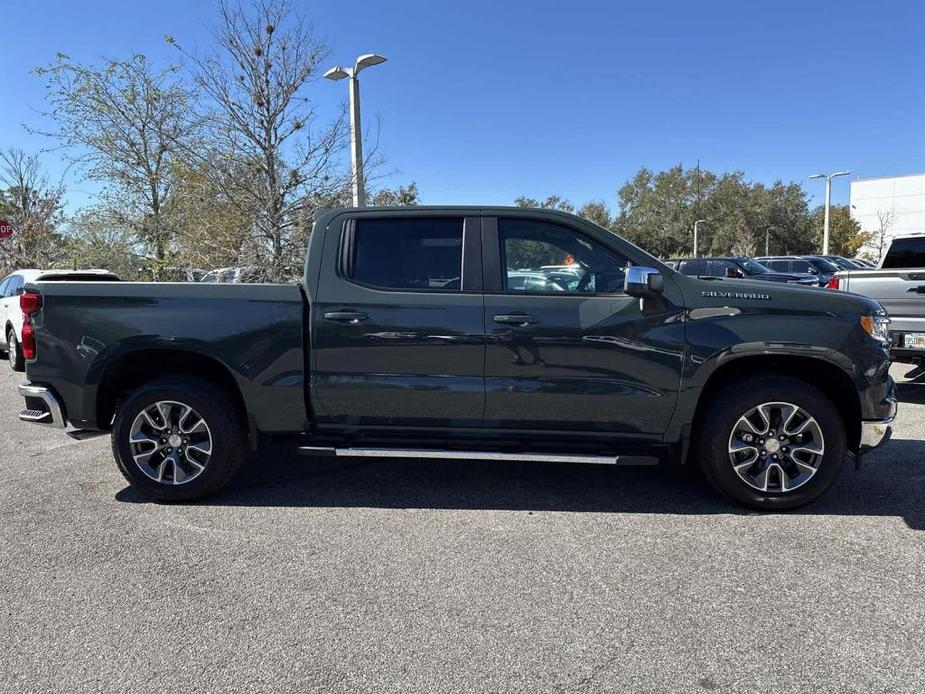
[(132, 369), (833, 381)]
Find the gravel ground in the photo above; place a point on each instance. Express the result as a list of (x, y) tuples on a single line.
[(410, 576)]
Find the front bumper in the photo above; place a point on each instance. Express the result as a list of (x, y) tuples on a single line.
[(42, 407), (875, 433)]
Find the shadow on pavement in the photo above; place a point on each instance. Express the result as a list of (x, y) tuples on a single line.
[(890, 483), (911, 392)]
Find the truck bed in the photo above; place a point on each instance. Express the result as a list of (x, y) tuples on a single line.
[(254, 332)]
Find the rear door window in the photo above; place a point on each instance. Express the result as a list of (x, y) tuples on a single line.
[(14, 286), (906, 253), (3, 285), (801, 265), (778, 265), (411, 254), (718, 268)]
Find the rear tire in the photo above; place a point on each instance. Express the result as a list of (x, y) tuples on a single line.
[(789, 430), (179, 438), (14, 353)]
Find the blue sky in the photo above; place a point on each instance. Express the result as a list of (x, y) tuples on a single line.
[(483, 101)]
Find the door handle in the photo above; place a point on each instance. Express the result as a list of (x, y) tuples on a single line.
[(918, 290), (346, 316), (516, 319)]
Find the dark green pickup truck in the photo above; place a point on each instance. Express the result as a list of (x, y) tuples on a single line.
[(456, 332)]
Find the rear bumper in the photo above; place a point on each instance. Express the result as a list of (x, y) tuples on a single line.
[(43, 406)]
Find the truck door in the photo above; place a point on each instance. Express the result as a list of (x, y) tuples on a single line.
[(575, 353), (397, 329)]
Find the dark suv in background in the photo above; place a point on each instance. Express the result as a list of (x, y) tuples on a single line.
[(816, 265), (740, 268)]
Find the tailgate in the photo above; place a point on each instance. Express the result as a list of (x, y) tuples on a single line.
[(900, 292)]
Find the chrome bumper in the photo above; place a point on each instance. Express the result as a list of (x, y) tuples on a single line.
[(875, 433), (44, 408)]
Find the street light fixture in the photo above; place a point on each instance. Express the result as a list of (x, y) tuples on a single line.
[(696, 229), (828, 199), (356, 134)]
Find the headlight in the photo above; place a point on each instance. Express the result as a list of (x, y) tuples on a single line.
[(878, 327)]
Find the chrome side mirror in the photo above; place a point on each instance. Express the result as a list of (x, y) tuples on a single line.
[(643, 282)]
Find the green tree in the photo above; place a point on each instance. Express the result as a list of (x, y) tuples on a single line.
[(33, 205), (553, 202), (403, 196), (845, 235), (597, 211), (257, 112), (123, 122)]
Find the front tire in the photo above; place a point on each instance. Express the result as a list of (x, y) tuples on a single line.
[(771, 442), (14, 353), (178, 439)]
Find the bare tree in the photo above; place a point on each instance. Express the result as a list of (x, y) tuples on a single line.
[(259, 117), (34, 208), (885, 223), (123, 121)]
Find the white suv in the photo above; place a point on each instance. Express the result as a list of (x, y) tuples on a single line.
[(11, 317)]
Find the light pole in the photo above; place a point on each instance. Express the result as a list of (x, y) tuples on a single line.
[(696, 229), (356, 134), (828, 200), (767, 239)]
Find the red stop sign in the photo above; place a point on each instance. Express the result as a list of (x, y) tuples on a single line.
[(6, 229)]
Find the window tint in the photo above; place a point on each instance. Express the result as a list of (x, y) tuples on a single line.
[(800, 265), (411, 253), (906, 253), (3, 286), (717, 268), (694, 268), (778, 265), (539, 257)]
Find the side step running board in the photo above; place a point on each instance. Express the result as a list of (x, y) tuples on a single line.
[(477, 455)]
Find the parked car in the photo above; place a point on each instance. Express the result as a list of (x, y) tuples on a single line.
[(899, 285), (840, 262), (864, 262), (408, 338), (815, 265), (10, 314), (739, 267)]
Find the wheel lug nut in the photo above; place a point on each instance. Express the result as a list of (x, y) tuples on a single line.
[(774, 456), (761, 441), (763, 453)]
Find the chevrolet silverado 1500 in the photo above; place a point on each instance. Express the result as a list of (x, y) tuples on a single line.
[(481, 333)]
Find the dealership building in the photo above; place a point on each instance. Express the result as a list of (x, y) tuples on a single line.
[(900, 200)]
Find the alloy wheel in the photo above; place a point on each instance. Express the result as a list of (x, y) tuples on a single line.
[(776, 447), (170, 442)]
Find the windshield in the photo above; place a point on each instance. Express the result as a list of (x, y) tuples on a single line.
[(823, 265), (752, 267), (841, 263)]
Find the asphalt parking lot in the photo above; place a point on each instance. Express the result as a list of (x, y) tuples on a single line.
[(411, 576)]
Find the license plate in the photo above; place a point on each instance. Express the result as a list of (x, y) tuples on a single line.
[(914, 341)]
